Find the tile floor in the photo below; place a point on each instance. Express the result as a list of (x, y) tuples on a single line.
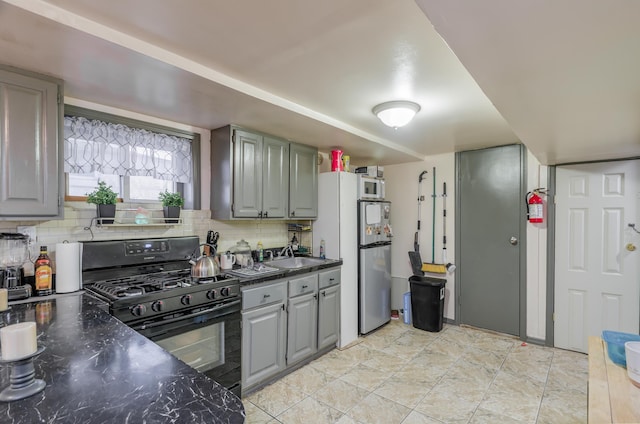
[(400, 374)]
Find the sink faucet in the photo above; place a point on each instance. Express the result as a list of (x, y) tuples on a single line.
[(270, 254), (286, 251)]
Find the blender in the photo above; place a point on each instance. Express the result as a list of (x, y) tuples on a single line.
[(14, 252)]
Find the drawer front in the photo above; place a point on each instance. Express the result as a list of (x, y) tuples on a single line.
[(264, 295), (329, 278), (303, 285)]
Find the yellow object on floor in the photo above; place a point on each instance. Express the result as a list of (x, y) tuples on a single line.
[(434, 268)]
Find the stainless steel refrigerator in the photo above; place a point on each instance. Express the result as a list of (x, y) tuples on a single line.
[(374, 265)]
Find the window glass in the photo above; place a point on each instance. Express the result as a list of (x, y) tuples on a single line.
[(148, 188), (82, 184)]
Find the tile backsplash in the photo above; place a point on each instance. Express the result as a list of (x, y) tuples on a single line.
[(79, 225)]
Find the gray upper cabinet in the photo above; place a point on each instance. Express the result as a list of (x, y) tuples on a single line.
[(249, 175), (303, 181), (31, 144), (275, 177)]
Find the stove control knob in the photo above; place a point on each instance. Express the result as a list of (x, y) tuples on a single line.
[(186, 299), (138, 310), (157, 306), (211, 294), (224, 291)]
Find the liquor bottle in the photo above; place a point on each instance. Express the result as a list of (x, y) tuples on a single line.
[(43, 273)]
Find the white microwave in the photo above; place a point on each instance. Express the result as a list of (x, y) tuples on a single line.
[(370, 188)]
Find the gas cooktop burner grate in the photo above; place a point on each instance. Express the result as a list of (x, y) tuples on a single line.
[(140, 285)]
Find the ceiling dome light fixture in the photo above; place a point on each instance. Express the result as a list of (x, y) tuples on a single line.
[(397, 113)]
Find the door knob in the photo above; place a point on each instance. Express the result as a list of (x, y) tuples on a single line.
[(630, 247), (513, 241)]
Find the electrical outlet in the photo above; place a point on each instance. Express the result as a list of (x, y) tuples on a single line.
[(28, 231)]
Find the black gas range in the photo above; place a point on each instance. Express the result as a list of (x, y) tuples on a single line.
[(147, 285)]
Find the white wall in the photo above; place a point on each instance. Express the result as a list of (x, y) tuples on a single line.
[(402, 190), (536, 256)]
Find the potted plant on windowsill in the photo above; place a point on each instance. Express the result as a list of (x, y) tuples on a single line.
[(171, 205), (105, 200)]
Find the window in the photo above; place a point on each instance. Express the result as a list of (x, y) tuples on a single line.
[(139, 160)]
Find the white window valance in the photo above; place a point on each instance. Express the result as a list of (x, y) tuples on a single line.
[(95, 146)]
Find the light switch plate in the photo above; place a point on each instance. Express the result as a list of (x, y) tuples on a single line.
[(28, 231)]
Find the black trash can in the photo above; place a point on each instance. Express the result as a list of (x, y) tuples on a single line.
[(427, 302)]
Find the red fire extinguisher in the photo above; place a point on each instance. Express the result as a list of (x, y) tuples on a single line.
[(534, 207)]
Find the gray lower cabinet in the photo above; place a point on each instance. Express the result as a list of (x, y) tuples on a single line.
[(31, 173), (302, 318), (328, 308), (286, 322), (303, 181), (264, 327), (328, 316)]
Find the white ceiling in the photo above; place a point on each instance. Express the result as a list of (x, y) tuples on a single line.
[(312, 71)]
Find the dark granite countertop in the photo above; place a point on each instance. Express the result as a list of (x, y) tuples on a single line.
[(286, 273), (98, 370)]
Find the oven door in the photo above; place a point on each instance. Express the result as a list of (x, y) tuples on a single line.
[(207, 339)]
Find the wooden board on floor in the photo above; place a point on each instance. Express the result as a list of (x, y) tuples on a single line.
[(612, 396)]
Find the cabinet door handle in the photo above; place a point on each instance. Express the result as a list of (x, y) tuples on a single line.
[(266, 214), (305, 286), (266, 295), (293, 213), (331, 279), (260, 214), (324, 293)]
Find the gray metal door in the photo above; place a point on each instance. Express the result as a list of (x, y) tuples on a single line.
[(489, 238)]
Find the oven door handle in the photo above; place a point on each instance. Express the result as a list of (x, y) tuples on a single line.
[(180, 318)]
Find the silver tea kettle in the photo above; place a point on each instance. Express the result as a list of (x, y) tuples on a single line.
[(204, 266)]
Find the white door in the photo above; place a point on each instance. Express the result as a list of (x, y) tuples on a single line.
[(597, 272)]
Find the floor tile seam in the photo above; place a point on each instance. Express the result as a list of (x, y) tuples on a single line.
[(390, 400), (382, 351), (290, 387), (325, 404), (261, 409), (547, 387), (546, 382), (288, 408), (348, 409), (486, 392), (423, 414), (366, 388)]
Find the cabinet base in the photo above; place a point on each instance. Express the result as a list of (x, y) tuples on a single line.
[(248, 390)]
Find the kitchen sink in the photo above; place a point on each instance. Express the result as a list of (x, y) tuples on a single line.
[(254, 271), (294, 263)]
